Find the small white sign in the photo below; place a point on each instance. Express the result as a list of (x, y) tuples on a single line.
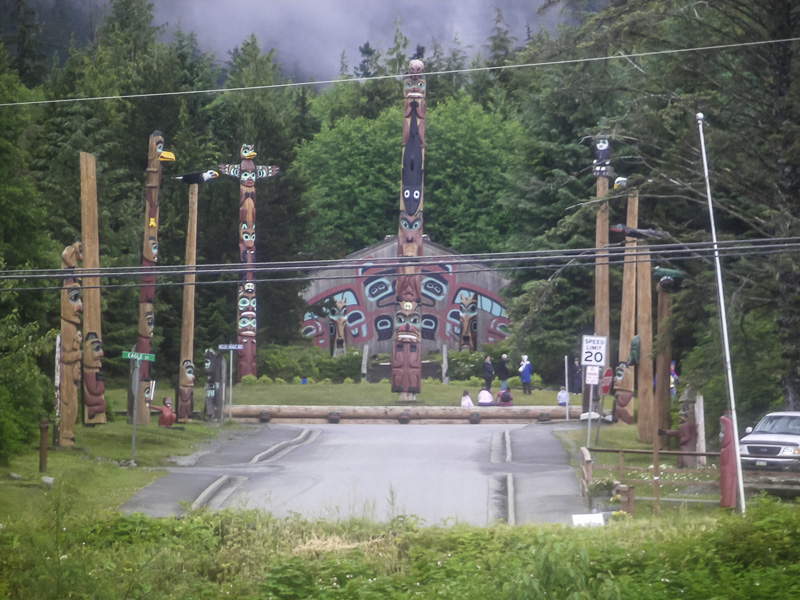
[(593, 350), (592, 375), (588, 520)]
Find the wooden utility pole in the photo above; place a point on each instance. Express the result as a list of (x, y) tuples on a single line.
[(601, 302), (627, 325), (185, 404), (663, 359), (94, 404), (644, 326)]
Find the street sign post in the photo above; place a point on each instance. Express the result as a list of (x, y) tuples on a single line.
[(231, 348), (138, 357), (593, 357)]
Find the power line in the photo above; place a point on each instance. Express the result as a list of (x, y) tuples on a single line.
[(500, 261), (572, 61)]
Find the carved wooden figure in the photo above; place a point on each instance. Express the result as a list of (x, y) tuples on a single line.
[(215, 368), (186, 392), (338, 321), (94, 387), (468, 315), (156, 154), (94, 403), (71, 338), (248, 173), (407, 349)]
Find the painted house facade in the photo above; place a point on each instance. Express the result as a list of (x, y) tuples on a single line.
[(461, 306)]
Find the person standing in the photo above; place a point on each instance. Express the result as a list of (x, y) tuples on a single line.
[(502, 372), (525, 374), (576, 378), (488, 373)]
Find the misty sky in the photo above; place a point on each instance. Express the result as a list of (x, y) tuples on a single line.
[(310, 35)]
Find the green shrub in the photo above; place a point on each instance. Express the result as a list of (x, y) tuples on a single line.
[(280, 381), (463, 365), (476, 381), (514, 382), (297, 380), (310, 380), (265, 380), (348, 380), (384, 380), (325, 381), (249, 380)]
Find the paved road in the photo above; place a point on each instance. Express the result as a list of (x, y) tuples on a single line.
[(440, 473)]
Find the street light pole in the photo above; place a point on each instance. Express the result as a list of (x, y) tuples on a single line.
[(722, 317)]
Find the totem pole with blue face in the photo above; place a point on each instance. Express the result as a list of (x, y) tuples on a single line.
[(407, 349), (248, 173), (156, 154)]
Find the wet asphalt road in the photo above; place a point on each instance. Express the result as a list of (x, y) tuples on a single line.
[(439, 473)]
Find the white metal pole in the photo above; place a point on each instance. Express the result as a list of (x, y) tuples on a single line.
[(722, 317), (230, 386), (566, 381)]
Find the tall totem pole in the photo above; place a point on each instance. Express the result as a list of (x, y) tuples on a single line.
[(94, 388), (247, 172), (407, 349), (71, 337), (155, 156)]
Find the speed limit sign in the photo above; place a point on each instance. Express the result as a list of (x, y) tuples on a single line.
[(593, 351)]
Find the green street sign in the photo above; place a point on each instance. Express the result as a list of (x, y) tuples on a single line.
[(138, 356)]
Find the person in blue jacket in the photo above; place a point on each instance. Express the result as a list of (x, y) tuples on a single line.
[(525, 374)]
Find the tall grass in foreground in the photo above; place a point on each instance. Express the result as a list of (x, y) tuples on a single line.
[(252, 555)]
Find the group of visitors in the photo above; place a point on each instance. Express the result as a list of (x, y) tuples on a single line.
[(504, 398), (501, 372)]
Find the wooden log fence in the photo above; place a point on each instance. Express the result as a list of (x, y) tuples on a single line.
[(418, 414)]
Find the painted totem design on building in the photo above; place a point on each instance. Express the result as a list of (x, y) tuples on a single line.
[(338, 327), (156, 154), (407, 349), (248, 173), (71, 338), (468, 317)]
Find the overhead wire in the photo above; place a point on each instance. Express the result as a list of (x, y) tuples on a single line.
[(498, 262), (381, 77)]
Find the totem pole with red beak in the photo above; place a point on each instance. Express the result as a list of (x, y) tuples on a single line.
[(407, 349), (248, 173), (155, 156)]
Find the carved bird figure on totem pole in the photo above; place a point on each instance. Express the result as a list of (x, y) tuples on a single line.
[(197, 177)]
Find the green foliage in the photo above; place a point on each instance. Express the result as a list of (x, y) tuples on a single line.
[(249, 380), (297, 380), (280, 381), (348, 380), (465, 365), (250, 554), (264, 380), (25, 392)]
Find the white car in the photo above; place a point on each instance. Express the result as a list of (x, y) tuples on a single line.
[(773, 444)]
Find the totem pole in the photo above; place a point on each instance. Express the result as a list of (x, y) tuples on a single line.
[(338, 327), (94, 389), (215, 368), (468, 315), (407, 349), (247, 172), (71, 337), (155, 156)]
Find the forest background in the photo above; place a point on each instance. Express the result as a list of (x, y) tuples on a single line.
[(509, 153)]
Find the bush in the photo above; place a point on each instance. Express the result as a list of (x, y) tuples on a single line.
[(280, 381), (249, 380), (325, 381), (310, 380), (292, 363), (297, 380), (264, 380), (348, 380), (463, 365)]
